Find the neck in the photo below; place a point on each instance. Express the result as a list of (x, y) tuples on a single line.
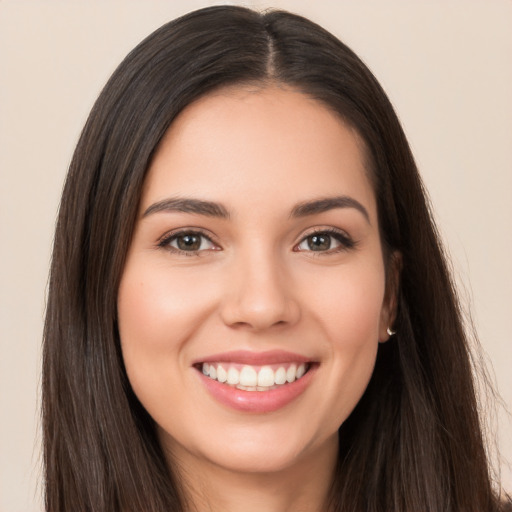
[(304, 487)]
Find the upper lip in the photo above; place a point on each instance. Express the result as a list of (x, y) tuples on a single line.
[(255, 358)]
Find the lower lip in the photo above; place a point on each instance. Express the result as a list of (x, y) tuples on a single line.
[(258, 401)]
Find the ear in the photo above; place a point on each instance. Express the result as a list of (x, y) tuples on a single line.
[(389, 305)]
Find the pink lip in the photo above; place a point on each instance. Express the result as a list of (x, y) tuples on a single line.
[(255, 358), (258, 401)]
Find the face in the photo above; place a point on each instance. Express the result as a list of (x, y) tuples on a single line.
[(253, 297)]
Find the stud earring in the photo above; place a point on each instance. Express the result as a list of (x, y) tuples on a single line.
[(390, 332)]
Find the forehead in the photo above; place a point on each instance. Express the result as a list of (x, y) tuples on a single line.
[(258, 144)]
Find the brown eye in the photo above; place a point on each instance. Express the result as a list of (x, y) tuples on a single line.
[(320, 242), (325, 241), (188, 242)]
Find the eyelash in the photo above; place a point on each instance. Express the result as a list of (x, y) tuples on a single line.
[(346, 243), (166, 240)]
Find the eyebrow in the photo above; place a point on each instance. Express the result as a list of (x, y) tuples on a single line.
[(212, 209), (198, 206), (328, 203)]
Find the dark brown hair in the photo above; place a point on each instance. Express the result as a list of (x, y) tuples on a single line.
[(414, 441)]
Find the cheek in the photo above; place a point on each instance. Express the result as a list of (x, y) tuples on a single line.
[(354, 330), (157, 308), (347, 307), (149, 317), (158, 313), (348, 302)]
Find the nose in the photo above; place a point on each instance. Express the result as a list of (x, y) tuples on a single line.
[(259, 295)]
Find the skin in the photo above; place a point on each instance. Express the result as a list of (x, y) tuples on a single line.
[(255, 285)]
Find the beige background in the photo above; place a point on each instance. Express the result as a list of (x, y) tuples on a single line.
[(447, 66)]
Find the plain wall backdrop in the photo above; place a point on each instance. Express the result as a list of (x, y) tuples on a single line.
[(446, 66)]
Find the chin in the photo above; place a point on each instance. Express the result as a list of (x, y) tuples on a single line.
[(269, 458), (258, 450)]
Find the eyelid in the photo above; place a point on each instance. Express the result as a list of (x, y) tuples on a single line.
[(346, 241), (164, 241)]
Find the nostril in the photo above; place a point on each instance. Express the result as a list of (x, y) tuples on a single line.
[(258, 311)]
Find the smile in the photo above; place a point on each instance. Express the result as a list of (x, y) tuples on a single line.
[(255, 378), (256, 382)]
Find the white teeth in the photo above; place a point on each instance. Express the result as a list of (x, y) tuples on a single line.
[(291, 373), (266, 377), (222, 375), (233, 376), (280, 376), (250, 379), (248, 376)]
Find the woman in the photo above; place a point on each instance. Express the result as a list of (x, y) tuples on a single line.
[(249, 305)]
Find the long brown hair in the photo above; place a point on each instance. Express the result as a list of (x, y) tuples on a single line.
[(414, 441)]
